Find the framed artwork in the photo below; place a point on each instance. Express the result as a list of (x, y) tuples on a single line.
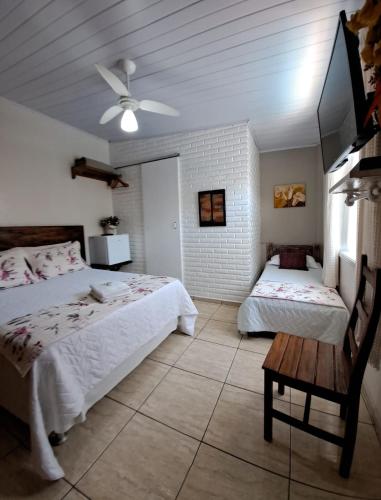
[(289, 195), (211, 206)]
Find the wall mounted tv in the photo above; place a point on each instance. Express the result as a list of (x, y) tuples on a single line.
[(343, 104)]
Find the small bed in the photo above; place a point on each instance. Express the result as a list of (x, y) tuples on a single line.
[(267, 311), (72, 374)]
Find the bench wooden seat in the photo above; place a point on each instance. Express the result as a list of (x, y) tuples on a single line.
[(310, 364), (332, 372)]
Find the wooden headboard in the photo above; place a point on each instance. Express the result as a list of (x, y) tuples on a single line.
[(34, 236), (274, 249)]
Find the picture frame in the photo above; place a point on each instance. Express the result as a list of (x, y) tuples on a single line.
[(290, 195), (212, 208)]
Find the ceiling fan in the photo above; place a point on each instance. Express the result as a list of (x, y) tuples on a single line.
[(127, 104)]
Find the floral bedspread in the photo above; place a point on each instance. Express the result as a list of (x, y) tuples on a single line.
[(23, 339), (311, 293)]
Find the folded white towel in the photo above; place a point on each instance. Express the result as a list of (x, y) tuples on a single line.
[(109, 290)]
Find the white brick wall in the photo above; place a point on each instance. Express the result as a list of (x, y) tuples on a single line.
[(219, 262), (255, 205)]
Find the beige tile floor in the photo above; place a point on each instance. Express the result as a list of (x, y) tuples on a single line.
[(188, 424)]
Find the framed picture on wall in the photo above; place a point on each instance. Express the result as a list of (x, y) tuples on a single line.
[(211, 206), (289, 195)]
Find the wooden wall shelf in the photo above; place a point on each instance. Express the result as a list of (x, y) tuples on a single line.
[(362, 182), (86, 167)]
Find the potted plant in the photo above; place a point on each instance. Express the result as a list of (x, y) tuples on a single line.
[(110, 224)]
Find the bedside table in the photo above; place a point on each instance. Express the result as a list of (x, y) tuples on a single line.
[(109, 251), (111, 267)]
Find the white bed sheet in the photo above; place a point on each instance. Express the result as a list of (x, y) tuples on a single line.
[(324, 323), (63, 376)]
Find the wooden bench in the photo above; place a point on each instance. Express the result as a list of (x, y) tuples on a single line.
[(332, 372)]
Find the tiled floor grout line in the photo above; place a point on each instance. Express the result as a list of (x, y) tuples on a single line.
[(213, 446), (103, 451), (238, 386), (206, 428), (216, 343), (284, 476), (202, 441), (75, 489), (224, 383), (340, 495)]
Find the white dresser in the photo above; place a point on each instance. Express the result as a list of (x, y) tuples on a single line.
[(110, 250)]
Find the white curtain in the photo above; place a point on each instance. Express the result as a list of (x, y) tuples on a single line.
[(369, 235), (369, 239), (333, 219)]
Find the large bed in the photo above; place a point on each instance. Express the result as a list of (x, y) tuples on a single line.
[(75, 372), (271, 314)]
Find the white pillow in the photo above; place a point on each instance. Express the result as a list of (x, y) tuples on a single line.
[(311, 262), (14, 270), (29, 250), (56, 261), (275, 260)]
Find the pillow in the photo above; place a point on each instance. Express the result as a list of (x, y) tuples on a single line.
[(51, 262), (311, 262), (29, 250), (293, 260), (14, 270), (274, 261)]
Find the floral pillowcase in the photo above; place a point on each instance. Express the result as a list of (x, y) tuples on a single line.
[(51, 262), (14, 270)]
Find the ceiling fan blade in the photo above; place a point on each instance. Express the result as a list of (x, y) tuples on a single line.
[(157, 107), (114, 82), (110, 113)]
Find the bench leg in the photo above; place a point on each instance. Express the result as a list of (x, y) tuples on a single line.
[(349, 438), (280, 388), (268, 397), (307, 408)]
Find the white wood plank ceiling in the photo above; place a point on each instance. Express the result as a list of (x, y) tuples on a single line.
[(217, 61)]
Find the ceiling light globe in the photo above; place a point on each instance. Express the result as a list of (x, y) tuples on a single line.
[(129, 122)]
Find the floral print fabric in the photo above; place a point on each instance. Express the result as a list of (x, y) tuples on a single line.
[(51, 262), (23, 339), (14, 270), (311, 293)]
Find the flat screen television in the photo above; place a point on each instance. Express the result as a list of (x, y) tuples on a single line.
[(343, 104)]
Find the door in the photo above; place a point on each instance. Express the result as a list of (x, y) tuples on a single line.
[(161, 212)]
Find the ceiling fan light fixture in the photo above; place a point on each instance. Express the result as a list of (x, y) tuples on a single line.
[(129, 122)]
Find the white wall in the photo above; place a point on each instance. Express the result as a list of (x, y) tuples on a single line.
[(36, 187), (299, 225), (218, 261)]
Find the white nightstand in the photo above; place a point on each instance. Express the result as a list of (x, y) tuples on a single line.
[(109, 252)]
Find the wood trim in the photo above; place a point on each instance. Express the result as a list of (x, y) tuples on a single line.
[(34, 236)]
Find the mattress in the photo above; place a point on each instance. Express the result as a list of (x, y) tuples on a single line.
[(320, 322), (55, 393)]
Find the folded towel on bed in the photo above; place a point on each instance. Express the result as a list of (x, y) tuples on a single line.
[(109, 290)]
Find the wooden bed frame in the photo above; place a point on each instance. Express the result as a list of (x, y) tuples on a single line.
[(274, 249), (34, 236)]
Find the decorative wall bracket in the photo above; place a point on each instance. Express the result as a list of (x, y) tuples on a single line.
[(86, 167), (362, 182)]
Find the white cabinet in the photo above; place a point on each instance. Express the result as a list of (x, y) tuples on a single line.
[(109, 250)]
